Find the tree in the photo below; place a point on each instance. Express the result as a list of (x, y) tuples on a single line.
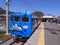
[(2, 11), (38, 14)]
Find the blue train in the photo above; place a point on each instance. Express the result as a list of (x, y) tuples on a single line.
[(21, 24)]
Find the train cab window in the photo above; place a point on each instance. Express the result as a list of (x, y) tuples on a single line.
[(16, 18), (25, 19)]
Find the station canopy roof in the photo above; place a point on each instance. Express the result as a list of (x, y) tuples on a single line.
[(48, 16)]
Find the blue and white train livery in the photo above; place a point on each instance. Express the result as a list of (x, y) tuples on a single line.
[(21, 24)]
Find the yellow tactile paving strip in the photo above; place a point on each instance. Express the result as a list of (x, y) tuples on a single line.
[(41, 38)]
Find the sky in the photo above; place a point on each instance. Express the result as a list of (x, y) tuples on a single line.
[(45, 6)]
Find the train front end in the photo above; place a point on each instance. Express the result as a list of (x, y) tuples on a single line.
[(21, 24)]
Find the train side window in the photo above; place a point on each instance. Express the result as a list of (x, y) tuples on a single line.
[(25, 19), (16, 18)]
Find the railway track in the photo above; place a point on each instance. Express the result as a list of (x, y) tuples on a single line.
[(12, 42), (17, 43), (20, 43)]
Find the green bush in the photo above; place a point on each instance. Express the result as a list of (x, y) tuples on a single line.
[(2, 32), (3, 36)]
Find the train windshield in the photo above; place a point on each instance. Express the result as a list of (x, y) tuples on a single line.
[(16, 18), (25, 19)]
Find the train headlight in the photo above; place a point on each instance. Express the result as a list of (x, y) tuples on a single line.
[(25, 27)]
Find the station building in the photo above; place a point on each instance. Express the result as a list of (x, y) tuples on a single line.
[(49, 18)]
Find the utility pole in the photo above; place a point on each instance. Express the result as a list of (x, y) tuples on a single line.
[(7, 13)]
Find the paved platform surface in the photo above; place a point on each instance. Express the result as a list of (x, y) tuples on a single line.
[(52, 34), (33, 40), (46, 34)]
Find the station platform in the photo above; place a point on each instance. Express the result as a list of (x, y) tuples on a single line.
[(46, 34), (37, 37)]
